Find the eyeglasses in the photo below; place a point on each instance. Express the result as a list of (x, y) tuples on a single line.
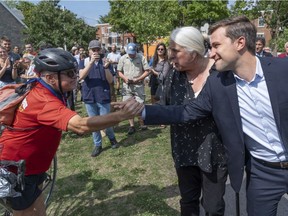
[(70, 73), (160, 49)]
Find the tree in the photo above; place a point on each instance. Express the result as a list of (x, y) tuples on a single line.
[(147, 20), (274, 14), (151, 19), (48, 22), (196, 12), (276, 18), (244, 7), (103, 19)]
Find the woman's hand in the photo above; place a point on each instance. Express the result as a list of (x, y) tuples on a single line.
[(7, 62)]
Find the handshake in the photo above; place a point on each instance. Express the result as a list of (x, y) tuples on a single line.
[(128, 109)]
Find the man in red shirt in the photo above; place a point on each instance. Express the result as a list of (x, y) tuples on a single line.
[(43, 116)]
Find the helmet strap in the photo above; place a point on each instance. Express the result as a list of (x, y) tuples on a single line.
[(60, 87)]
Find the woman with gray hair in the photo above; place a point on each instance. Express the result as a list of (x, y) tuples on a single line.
[(197, 148)]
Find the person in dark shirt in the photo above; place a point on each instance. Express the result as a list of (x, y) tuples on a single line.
[(96, 92), (8, 69), (260, 44), (197, 148)]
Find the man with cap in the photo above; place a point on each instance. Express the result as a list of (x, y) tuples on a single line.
[(132, 69), (96, 92)]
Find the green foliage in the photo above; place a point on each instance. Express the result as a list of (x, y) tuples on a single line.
[(244, 7), (276, 17), (48, 22), (11, 3), (148, 20), (281, 40), (197, 13), (103, 19)]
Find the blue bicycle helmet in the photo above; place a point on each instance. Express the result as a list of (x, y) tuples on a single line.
[(54, 60)]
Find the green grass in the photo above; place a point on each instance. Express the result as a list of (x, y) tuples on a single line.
[(136, 179)]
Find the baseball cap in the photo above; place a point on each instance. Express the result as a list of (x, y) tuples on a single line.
[(131, 48), (94, 44)]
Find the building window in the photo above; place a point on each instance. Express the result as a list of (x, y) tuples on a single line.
[(260, 34), (261, 22), (102, 30)]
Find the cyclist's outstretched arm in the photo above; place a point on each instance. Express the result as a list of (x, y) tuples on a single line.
[(129, 109)]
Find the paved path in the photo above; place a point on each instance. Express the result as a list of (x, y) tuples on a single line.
[(230, 200)]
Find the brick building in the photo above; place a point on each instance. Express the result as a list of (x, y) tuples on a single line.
[(11, 24), (262, 30), (108, 38)]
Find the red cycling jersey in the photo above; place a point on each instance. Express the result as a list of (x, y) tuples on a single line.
[(44, 117)]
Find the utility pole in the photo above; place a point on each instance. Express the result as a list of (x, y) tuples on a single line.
[(65, 46)]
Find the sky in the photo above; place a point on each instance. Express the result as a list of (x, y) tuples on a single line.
[(89, 11)]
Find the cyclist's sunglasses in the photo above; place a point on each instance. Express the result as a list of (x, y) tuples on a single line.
[(70, 73)]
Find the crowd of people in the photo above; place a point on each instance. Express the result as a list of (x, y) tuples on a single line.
[(226, 104)]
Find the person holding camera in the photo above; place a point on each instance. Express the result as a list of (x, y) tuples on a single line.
[(132, 69), (96, 92)]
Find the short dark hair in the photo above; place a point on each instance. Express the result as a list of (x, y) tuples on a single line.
[(261, 39), (5, 38), (237, 27)]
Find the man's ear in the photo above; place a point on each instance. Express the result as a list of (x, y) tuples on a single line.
[(240, 43)]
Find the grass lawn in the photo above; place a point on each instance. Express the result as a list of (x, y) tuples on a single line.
[(136, 179)]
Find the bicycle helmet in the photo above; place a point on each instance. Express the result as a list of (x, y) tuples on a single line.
[(54, 60)]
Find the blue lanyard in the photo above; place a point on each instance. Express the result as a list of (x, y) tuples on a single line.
[(56, 94)]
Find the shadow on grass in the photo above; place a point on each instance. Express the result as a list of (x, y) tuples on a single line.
[(82, 194), (122, 137), (139, 136)]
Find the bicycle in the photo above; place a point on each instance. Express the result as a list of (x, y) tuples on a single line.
[(48, 184)]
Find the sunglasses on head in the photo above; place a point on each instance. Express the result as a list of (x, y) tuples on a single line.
[(70, 73)]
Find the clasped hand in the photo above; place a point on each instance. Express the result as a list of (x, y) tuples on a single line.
[(129, 108)]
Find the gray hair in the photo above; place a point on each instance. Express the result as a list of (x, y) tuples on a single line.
[(190, 38)]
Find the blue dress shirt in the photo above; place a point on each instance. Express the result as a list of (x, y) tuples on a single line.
[(260, 132)]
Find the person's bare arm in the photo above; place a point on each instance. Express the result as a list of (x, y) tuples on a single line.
[(3, 69), (123, 77), (129, 109), (142, 77)]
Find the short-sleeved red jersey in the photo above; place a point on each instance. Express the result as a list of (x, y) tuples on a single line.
[(47, 117)]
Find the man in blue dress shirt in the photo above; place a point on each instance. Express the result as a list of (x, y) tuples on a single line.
[(248, 99)]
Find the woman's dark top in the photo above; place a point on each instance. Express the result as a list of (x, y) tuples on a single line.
[(197, 143), (7, 76), (162, 68)]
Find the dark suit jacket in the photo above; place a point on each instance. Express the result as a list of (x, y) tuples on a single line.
[(219, 99)]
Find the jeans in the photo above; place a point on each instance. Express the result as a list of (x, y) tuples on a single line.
[(98, 109)]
